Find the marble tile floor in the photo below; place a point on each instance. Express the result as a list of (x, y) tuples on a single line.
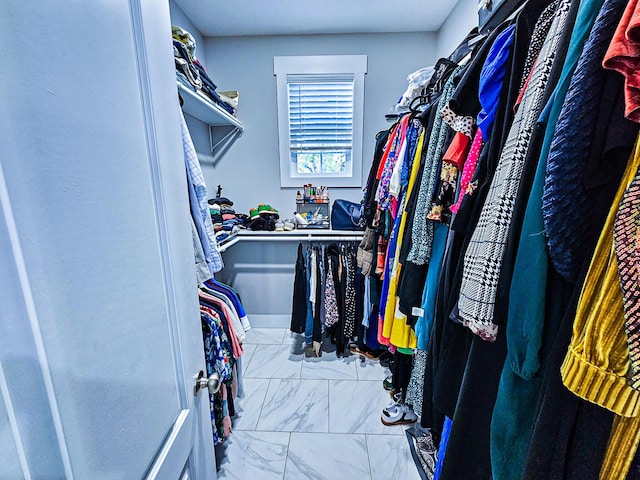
[(311, 418)]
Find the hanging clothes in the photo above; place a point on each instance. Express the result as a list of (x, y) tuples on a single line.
[(395, 328), (332, 315), (327, 297), (484, 363), (468, 275), (198, 200), (350, 295), (217, 357), (422, 229), (482, 262), (518, 390), (624, 57), (299, 308), (597, 365), (224, 323), (450, 343)]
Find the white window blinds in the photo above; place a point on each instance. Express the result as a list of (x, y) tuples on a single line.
[(320, 119), (320, 112)]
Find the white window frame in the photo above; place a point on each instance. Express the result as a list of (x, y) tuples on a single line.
[(313, 65)]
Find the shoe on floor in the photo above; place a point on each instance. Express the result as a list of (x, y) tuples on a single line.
[(398, 414), (385, 359), (364, 351), (313, 350), (387, 383)]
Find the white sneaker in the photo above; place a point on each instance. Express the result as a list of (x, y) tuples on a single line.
[(398, 414)]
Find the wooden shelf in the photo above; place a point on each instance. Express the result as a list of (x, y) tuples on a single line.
[(202, 108), (228, 242)]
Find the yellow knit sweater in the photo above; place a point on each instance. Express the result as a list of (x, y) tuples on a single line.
[(395, 327), (597, 366)]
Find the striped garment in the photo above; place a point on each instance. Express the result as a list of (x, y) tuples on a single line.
[(484, 255), (196, 178)]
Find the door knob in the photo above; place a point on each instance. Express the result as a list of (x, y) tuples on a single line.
[(212, 383)]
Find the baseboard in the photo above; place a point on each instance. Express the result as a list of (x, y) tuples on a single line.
[(269, 320)]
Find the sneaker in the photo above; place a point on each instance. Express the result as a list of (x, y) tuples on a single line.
[(266, 208), (313, 350), (289, 225), (386, 359), (398, 414)]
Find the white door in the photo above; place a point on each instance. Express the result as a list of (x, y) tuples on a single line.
[(100, 335)]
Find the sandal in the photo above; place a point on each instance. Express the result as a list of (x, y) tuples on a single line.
[(370, 354), (398, 414)]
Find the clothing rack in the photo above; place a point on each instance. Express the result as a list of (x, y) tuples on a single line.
[(306, 238), (492, 13), (291, 236), (328, 294), (302, 236)]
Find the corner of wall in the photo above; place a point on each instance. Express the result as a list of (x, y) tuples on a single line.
[(460, 21)]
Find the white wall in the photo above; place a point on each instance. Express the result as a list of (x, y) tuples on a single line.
[(460, 21), (249, 170)]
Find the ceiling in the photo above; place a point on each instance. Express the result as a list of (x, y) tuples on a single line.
[(286, 17)]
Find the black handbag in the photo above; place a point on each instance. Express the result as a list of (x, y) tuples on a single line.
[(346, 215)]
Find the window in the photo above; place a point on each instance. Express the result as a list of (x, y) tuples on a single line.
[(320, 117), (320, 124)]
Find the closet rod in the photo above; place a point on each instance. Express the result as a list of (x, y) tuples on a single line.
[(301, 238), (289, 238)]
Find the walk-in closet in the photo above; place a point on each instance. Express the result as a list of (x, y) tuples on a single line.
[(267, 240)]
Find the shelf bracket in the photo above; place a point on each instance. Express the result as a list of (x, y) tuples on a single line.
[(235, 132)]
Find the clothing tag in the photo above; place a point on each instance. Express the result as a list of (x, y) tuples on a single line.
[(475, 40), (417, 312), (465, 60), (483, 4)]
